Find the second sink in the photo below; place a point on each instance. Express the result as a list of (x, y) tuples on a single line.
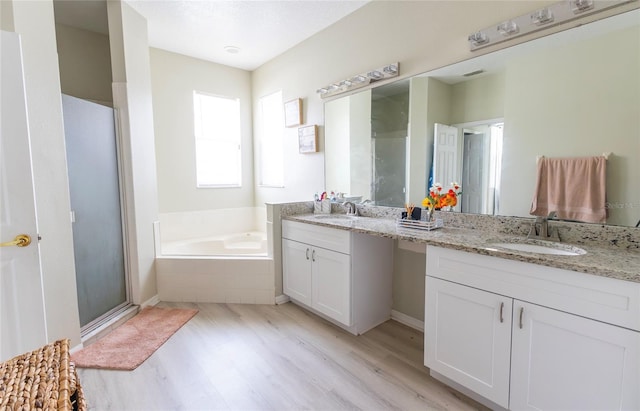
[(335, 217), (539, 247)]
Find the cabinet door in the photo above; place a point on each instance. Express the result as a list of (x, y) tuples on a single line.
[(296, 270), (468, 337), (331, 284), (562, 361)]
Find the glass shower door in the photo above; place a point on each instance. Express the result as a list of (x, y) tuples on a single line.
[(94, 186)]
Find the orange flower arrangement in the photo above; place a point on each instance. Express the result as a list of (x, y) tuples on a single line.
[(437, 199)]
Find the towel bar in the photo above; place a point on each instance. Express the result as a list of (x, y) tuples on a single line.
[(606, 155)]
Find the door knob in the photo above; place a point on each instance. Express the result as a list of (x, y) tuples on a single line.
[(21, 240)]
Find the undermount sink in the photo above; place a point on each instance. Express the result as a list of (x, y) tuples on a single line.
[(538, 247), (335, 217)]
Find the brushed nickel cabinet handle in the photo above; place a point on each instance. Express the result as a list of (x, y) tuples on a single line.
[(521, 314), (501, 308), (313, 256), (307, 253)]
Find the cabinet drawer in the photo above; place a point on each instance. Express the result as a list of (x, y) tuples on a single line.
[(605, 299), (323, 237)]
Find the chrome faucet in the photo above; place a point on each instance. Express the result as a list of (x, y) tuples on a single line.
[(540, 229), (351, 208)]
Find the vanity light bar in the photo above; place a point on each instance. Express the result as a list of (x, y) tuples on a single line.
[(550, 16), (360, 80)]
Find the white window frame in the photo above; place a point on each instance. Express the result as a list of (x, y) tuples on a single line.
[(230, 139)]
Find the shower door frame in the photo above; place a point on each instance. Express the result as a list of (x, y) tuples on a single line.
[(116, 312), (119, 310)]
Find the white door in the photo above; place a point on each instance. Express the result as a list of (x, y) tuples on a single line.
[(468, 337), (475, 173), (445, 155), (331, 284), (22, 317), (296, 267), (565, 362)]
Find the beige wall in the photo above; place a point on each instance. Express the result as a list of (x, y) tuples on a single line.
[(421, 35), (419, 144), (349, 145), (478, 99), (33, 20), (409, 268), (132, 100), (339, 175), (174, 79), (609, 123), (85, 64)]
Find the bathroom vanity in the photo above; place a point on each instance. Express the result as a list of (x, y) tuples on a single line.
[(343, 276), (531, 337), (511, 329)]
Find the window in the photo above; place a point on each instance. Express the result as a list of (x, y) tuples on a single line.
[(271, 160), (217, 132)]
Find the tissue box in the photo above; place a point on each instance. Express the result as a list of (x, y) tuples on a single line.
[(322, 207)]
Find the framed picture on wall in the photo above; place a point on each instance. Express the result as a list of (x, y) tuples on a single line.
[(293, 113), (308, 139)]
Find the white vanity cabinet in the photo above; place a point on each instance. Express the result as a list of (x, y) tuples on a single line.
[(343, 276), (468, 337), (530, 337)]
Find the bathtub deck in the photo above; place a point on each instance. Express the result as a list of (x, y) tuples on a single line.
[(245, 280), (244, 357)]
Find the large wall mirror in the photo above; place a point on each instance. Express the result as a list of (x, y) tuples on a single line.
[(573, 93)]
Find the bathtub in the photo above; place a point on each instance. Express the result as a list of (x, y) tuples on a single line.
[(217, 256), (253, 243)]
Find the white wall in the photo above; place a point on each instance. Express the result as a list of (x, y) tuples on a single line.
[(174, 78), (133, 102), (85, 64), (33, 20)]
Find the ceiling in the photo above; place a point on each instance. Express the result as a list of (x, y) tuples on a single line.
[(259, 29)]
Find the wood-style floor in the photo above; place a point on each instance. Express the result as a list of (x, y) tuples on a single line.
[(261, 357)]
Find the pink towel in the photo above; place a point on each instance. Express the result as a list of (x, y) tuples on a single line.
[(575, 188)]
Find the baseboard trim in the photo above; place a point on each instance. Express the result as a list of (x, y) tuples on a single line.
[(76, 348), (282, 299), (407, 320), (109, 326), (151, 301)]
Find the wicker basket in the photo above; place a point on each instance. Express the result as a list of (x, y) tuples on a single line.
[(44, 379)]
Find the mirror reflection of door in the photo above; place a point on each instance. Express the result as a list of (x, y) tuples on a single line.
[(475, 173), (481, 158), (470, 154), (446, 156)]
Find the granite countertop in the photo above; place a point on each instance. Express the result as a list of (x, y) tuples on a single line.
[(601, 260)]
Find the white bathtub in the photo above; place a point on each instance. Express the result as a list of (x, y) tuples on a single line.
[(214, 256), (252, 243)]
